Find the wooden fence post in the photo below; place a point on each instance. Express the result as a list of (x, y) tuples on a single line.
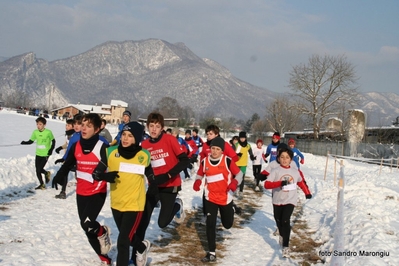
[(341, 180), (325, 170), (335, 171), (391, 164)]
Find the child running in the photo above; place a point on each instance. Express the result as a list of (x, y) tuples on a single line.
[(220, 184), (193, 152), (298, 156), (45, 144), (89, 156), (283, 181), (272, 147), (167, 160), (68, 134), (257, 163), (131, 162), (213, 131), (243, 148)]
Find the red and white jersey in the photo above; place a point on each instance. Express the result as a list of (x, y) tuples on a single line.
[(192, 147), (217, 178), (85, 165), (164, 154)]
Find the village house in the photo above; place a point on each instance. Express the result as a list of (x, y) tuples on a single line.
[(112, 112)]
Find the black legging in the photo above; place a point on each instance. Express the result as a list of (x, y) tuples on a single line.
[(282, 215), (226, 216), (88, 209), (65, 180), (167, 211), (243, 170), (256, 170), (40, 162), (127, 223)]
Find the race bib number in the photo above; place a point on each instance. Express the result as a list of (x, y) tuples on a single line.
[(289, 187), (85, 176), (158, 163), (214, 178), (131, 168)]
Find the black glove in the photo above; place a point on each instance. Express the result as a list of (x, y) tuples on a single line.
[(158, 179), (24, 142), (59, 161), (308, 196), (265, 161), (152, 190), (58, 149), (239, 154), (261, 177), (109, 177), (253, 158), (284, 183)]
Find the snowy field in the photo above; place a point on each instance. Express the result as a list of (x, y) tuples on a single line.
[(37, 229)]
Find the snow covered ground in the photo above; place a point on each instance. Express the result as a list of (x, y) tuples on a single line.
[(37, 229)]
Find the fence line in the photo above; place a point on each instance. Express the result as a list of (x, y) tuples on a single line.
[(381, 162), (339, 232)]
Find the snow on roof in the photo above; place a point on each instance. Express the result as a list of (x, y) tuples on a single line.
[(356, 110), (99, 110), (118, 103), (89, 108), (83, 107)]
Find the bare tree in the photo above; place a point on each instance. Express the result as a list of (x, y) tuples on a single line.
[(186, 117), (248, 125), (281, 115), (168, 107), (207, 119), (322, 85), (17, 98), (258, 128), (135, 111), (227, 125)]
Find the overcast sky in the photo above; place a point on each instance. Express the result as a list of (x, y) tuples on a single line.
[(258, 41)]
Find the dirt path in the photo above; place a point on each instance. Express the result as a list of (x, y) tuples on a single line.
[(188, 240)]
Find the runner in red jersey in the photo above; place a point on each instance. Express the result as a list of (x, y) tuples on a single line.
[(212, 131), (167, 160), (222, 176), (89, 156)]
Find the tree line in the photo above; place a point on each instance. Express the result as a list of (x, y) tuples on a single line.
[(322, 88)]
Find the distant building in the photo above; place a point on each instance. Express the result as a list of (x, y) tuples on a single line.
[(110, 112)]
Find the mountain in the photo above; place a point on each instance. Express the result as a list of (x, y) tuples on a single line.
[(143, 72), (138, 72), (27, 80), (381, 108)]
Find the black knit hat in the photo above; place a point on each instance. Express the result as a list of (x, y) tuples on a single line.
[(128, 113), (218, 142), (136, 129), (282, 146), (188, 131), (242, 134)]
